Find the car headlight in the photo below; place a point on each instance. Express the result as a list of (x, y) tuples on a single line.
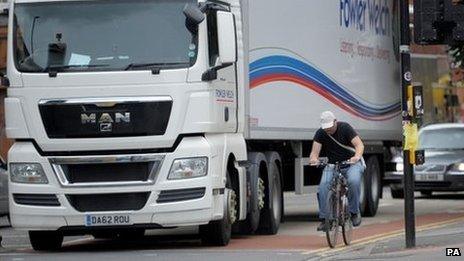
[(458, 167), (27, 173), (188, 168), (399, 167)]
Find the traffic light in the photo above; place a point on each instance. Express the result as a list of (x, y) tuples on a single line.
[(438, 21)]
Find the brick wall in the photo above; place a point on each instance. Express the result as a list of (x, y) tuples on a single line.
[(4, 142)]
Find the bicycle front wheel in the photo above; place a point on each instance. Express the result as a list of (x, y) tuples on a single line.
[(332, 220), (347, 225)]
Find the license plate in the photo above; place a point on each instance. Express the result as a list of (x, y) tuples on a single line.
[(429, 177), (107, 220)]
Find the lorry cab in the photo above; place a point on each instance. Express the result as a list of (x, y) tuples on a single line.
[(122, 109)]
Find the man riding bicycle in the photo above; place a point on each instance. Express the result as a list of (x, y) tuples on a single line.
[(340, 143)]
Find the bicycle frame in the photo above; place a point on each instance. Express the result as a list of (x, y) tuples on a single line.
[(338, 212)]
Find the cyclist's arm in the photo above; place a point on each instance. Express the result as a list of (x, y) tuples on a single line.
[(359, 147), (315, 151)]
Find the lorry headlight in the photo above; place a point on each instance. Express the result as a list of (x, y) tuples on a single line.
[(27, 173), (399, 167), (188, 168)]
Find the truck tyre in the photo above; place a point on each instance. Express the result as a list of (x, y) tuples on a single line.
[(255, 186), (105, 234), (373, 186), (45, 240), (272, 212), (135, 233), (218, 232), (362, 194), (397, 193), (426, 193)]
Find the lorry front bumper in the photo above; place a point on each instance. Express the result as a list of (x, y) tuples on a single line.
[(162, 202)]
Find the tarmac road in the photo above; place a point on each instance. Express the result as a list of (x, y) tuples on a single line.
[(297, 238)]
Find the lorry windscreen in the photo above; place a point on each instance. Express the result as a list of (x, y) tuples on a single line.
[(107, 35)]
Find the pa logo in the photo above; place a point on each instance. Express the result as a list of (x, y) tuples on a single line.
[(453, 252)]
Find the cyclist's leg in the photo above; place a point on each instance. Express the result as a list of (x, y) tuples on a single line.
[(354, 175), (323, 190)]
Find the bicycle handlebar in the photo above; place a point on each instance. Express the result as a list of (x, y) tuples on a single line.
[(322, 162)]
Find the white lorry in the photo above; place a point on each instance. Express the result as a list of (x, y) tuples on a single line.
[(132, 114)]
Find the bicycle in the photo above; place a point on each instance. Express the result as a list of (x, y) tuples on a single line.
[(337, 205)]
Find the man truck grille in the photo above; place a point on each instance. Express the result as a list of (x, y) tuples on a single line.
[(100, 171), (105, 118), (118, 172), (108, 202)]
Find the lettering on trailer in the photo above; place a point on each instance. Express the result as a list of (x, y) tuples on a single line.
[(366, 15)]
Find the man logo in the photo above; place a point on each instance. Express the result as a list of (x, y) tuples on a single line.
[(453, 252), (106, 127), (119, 117), (106, 120)]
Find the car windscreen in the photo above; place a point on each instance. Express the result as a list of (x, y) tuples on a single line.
[(445, 138), (102, 35)]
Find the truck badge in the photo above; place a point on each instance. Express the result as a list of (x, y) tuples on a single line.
[(106, 120)]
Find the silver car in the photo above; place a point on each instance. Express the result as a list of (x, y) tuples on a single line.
[(444, 161)]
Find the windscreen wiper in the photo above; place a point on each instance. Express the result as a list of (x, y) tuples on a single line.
[(155, 67), (54, 69)]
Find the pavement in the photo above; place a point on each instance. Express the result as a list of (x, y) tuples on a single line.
[(431, 244)]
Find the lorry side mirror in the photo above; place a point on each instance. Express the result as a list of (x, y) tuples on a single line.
[(226, 37), (194, 17)]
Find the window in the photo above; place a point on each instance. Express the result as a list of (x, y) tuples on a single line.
[(103, 35)]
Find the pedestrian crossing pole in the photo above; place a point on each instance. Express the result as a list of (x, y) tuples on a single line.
[(406, 84)]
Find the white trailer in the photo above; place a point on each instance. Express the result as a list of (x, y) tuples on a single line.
[(131, 115)]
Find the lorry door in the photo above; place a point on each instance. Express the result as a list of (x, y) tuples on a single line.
[(225, 85)]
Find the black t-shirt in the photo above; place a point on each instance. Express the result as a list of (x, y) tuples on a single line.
[(344, 134)]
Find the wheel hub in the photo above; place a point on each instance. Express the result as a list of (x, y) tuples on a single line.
[(232, 205), (260, 193)]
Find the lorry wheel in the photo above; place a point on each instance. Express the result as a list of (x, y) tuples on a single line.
[(45, 240), (426, 193), (218, 232), (251, 223), (272, 212), (135, 233), (105, 234), (373, 182), (255, 186), (397, 193), (362, 194)]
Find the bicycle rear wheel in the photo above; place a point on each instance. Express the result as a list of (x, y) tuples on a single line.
[(347, 225), (332, 220)]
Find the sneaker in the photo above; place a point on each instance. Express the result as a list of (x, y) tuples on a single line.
[(322, 226), (356, 219)]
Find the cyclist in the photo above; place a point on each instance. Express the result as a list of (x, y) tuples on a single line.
[(340, 143)]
